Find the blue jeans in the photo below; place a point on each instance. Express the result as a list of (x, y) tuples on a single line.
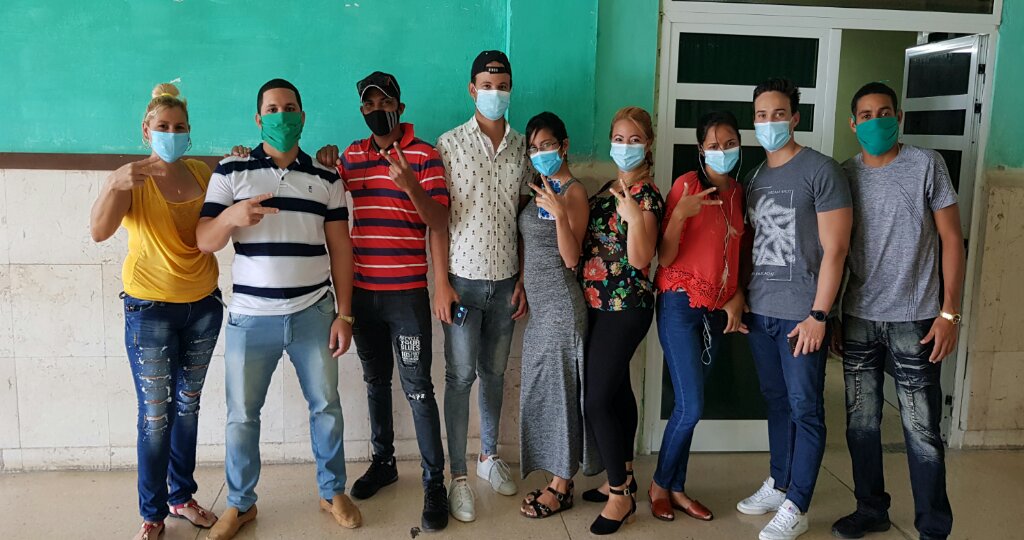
[(390, 325), (681, 330), (793, 390), (866, 345), (479, 348), (169, 347), (254, 347)]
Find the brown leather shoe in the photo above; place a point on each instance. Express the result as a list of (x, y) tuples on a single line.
[(696, 510), (344, 511), (230, 521), (661, 508)]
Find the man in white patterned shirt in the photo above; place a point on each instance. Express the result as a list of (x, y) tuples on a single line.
[(487, 173)]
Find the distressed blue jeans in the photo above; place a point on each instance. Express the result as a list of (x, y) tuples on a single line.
[(479, 348), (865, 347), (169, 346)]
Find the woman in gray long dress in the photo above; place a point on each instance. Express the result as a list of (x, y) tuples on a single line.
[(551, 436)]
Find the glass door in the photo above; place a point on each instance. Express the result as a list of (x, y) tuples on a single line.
[(716, 66)]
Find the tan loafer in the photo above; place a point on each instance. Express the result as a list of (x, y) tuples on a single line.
[(230, 521), (150, 531), (344, 511)]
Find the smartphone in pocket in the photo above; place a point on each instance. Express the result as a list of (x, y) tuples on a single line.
[(459, 314)]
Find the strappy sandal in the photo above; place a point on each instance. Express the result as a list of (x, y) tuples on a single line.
[(174, 510), (150, 530), (541, 510)]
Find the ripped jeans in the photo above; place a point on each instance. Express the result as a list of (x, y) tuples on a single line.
[(865, 347), (169, 347), (393, 327)]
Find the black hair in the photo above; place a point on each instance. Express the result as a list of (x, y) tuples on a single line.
[(273, 84), (784, 86), (874, 88), (704, 125), (549, 121)]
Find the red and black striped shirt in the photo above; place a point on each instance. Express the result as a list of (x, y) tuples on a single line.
[(388, 234)]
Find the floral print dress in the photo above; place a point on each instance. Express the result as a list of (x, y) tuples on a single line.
[(610, 283)]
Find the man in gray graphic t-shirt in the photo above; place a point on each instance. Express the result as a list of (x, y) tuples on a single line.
[(798, 203), (897, 305)]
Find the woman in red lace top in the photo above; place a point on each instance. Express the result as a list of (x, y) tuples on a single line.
[(698, 297)]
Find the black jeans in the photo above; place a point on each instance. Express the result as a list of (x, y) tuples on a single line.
[(608, 400), (389, 325), (866, 344)]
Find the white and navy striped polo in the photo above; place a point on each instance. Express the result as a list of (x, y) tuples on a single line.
[(281, 264)]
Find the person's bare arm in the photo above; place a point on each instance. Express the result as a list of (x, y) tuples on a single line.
[(212, 234), (834, 235), (943, 332), (115, 198), (339, 246)]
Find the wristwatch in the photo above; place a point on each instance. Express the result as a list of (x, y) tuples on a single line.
[(819, 316), (951, 317), (347, 318)]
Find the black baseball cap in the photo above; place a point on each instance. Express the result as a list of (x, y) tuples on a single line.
[(385, 82), (486, 57)]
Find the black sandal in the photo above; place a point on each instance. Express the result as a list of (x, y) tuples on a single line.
[(541, 510), (595, 495)]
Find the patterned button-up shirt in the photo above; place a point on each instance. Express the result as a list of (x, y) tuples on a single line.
[(484, 186)]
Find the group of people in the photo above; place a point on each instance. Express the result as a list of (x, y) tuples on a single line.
[(332, 248)]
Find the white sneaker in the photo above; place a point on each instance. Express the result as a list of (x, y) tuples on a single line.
[(766, 499), (460, 500), (497, 473), (787, 524)]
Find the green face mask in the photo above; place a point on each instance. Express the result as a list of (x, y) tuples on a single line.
[(281, 130), (878, 135)]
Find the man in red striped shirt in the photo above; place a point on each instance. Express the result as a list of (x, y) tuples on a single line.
[(399, 196)]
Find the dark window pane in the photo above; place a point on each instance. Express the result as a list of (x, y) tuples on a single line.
[(939, 74), (688, 113), (731, 390), (684, 159), (746, 60), (953, 163), (934, 122), (948, 6)]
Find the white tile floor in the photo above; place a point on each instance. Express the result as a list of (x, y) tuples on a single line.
[(985, 488)]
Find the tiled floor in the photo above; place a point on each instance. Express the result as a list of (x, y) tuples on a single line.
[(985, 487)]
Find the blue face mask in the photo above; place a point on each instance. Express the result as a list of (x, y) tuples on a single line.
[(628, 156), (170, 146), (722, 161), (772, 135), (547, 163), (492, 103)]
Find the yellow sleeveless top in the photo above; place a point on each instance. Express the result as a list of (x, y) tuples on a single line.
[(163, 263)]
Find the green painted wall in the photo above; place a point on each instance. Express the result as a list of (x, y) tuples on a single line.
[(866, 56), (1006, 138), (77, 75)]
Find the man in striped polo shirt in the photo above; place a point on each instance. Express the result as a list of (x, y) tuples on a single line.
[(287, 217), (398, 195)]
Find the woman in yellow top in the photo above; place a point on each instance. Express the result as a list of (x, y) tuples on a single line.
[(172, 308)]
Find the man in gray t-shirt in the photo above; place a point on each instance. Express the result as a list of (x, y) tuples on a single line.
[(798, 203), (896, 305)]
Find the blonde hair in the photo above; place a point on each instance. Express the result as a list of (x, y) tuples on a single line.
[(642, 120), (165, 96)]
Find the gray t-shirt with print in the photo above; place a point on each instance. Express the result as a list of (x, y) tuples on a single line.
[(783, 204), (894, 250)]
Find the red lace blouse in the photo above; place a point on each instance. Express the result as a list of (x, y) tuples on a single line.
[(707, 264)]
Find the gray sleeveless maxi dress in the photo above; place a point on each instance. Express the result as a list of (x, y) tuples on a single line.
[(551, 426)]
